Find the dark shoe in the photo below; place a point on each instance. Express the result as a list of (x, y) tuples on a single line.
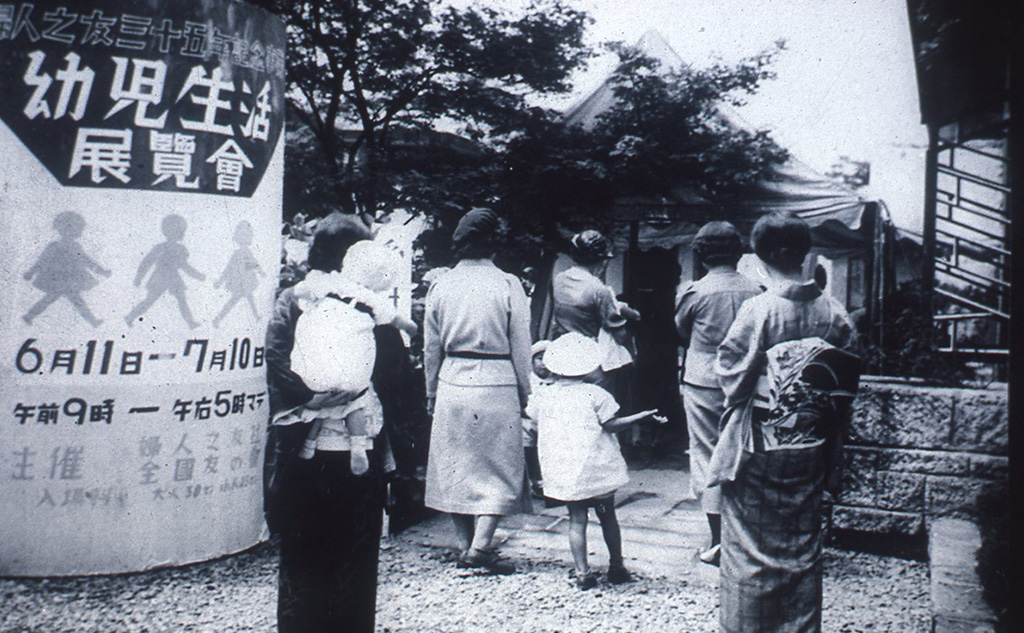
[(487, 561), (618, 574), (587, 580), (713, 555)]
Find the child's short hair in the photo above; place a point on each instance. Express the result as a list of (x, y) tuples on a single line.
[(371, 265)]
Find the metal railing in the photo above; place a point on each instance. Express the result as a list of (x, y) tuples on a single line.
[(971, 242)]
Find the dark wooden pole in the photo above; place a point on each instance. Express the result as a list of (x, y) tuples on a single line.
[(930, 239), (1016, 377)]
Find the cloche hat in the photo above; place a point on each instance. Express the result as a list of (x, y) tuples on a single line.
[(478, 224), (717, 239)]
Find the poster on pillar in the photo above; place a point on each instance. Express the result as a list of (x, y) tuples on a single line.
[(140, 206)]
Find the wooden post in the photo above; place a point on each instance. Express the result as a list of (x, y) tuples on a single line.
[(1015, 406), (873, 267), (930, 238), (629, 261)]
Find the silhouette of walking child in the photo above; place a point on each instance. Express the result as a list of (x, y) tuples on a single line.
[(240, 274), (63, 270), (166, 259)]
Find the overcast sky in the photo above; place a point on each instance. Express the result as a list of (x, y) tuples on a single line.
[(845, 86)]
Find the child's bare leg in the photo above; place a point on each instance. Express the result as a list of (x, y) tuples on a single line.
[(610, 529), (226, 309), (463, 530), (252, 305), (140, 309), (578, 513), (359, 422), (532, 463)]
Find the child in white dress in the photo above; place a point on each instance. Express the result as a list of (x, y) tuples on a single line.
[(579, 453)]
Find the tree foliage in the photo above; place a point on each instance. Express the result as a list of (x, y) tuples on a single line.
[(419, 105), (669, 126), (909, 347), (667, 130), (366, 75)]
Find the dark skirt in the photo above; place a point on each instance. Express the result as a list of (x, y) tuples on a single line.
[(329, 547), (771, 544)]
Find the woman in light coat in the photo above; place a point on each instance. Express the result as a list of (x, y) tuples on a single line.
[(705, 309), (476, 357)]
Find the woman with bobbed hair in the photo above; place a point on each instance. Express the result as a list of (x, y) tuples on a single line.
[(476, 358), (705, 309), (583, 303), (788, 375)]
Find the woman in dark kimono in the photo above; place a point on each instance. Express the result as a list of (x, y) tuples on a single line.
[(788, 375), (328, 517)]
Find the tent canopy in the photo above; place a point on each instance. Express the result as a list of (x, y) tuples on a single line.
[(834, 212)]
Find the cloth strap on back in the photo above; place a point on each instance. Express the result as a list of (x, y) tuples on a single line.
[(358, 305)]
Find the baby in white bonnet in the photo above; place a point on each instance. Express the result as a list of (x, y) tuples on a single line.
[(335, 348)]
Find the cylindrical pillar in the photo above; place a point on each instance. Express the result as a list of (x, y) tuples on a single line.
[(140, 207)]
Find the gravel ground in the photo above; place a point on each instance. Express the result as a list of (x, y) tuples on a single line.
[(420, 590)]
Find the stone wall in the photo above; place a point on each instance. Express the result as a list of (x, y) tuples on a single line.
[(914, 454)]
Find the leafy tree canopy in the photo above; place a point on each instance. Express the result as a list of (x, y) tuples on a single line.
[(373, 82), (667, 130), (363, 73)]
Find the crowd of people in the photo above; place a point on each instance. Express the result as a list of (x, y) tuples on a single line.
[(769, 369)]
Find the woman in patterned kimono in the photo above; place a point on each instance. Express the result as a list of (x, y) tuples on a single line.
[(787, 378), (476, 357)]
